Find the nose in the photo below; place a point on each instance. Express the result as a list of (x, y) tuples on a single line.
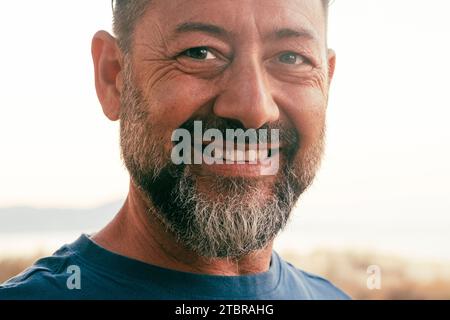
[(247, 97)]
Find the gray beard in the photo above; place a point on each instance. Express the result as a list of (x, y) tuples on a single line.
[(234, 222)]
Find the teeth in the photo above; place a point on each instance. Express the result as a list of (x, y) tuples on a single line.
[(263, 154), (229, 155), (235, 155), (251, 155), (239, 155), (218, 153)]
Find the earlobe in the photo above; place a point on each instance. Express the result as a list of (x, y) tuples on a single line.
[(107, 67), (331, 64)]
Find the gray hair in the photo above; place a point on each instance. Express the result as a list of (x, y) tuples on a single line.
[(127, 14)]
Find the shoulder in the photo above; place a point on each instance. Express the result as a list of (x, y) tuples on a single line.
[(317, 287), (47, 278), (323, 288)]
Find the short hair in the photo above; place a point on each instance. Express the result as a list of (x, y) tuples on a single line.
[(127, 13)]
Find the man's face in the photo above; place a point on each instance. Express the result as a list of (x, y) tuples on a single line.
[(231, 64)]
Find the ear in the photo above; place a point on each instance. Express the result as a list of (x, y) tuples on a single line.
[(331, 64), (108, 76)]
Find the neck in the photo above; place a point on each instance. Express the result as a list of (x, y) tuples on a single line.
[(137, 233)]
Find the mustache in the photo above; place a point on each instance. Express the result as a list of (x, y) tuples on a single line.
[(289, 137)]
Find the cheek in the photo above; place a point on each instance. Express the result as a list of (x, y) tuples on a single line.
[(305, 107), (173, 101), (176, 100)]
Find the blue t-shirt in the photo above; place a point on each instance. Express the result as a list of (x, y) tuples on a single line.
[(84, 270)]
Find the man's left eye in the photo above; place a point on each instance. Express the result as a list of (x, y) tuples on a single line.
[(291, 58), (199, 53)]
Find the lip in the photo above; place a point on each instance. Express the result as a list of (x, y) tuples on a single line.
[(235, 170)]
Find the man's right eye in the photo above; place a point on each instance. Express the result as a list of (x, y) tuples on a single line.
[(199, 53)]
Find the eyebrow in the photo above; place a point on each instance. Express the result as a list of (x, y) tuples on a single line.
[(294, 33), (277, 34), (201, 27)]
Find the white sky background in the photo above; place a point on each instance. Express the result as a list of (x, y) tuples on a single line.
[(388, 155)]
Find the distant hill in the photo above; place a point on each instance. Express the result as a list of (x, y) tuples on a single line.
[(28, 219)]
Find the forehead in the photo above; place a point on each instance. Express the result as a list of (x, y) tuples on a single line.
[(239, 17)]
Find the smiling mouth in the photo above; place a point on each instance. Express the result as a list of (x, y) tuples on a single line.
[(238, 154)]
